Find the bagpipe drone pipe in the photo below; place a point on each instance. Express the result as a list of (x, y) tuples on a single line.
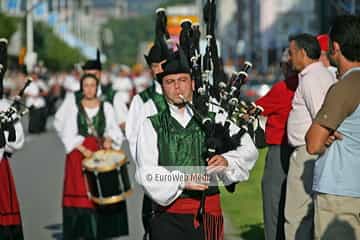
[(161, 33), (212, 89)]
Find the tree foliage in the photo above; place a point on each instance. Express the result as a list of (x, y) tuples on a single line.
[(56, 54), (129, 33), (8, 26)]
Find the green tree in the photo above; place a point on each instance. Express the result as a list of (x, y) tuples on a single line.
[(8, 26), (56, 54), (129, 33)]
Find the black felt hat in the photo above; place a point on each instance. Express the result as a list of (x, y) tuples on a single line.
[(176, 63), (93, 64), (156, 54)]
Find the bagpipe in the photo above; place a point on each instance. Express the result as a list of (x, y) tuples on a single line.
[(213, 89), (17, 109), (161, 33)]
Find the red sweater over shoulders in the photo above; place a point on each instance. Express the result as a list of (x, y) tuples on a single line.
[(277, 105)]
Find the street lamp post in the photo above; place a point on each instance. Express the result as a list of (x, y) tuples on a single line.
[(30, 58), (29, 29), (353, 7)]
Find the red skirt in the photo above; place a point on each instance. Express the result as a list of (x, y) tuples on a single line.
[(9, 204), (75, 193)]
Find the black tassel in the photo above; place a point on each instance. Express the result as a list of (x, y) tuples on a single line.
[(12, 133), (2, 139), (3, 63)]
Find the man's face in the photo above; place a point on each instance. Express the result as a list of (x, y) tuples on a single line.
[(178, 84), (156, 67), (296, 56)]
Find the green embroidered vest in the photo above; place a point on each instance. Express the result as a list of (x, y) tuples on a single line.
[(179, 146), (98, 120), (78, 96), (108, 93), (158, 99)]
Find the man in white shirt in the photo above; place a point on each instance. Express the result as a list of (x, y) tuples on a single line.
[(314, 82), (173, 139), (71, 81), (123, 84), (138, 110), (35, 98), (136, 115)]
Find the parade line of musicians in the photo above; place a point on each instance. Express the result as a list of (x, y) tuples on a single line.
[(311, 181)]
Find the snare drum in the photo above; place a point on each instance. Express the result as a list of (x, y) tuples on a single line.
[(106, 177)]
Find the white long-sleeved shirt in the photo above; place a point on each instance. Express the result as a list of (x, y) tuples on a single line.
[(68, 102), (71, 84), (34, 90), (123, 86), (66, 125), (61, 113), (120, 108), (241, 161), (19, 141), (136, 115), (314, 82)]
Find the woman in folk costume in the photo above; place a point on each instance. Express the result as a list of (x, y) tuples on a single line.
[(91, 66), (89, 125), (173, 140), (10, 219)]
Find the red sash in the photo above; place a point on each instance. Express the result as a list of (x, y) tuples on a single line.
[(9, 204), (212, 219), (75, 193)]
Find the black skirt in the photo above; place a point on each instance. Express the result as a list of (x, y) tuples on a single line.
[(37, 120), (164, 226), (99, 223), (13, 232)]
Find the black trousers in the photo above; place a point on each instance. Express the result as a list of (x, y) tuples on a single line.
[(164, 226), (37, 120), (147, 214)]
